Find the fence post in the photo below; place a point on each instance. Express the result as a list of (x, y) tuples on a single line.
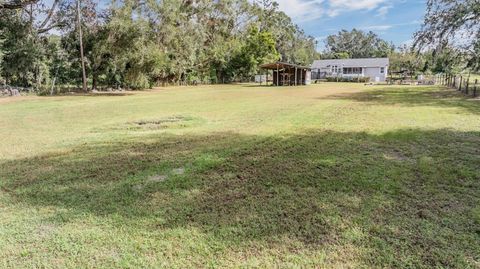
[(475, 88)]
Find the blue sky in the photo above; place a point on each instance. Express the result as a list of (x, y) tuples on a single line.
[(392, 20)]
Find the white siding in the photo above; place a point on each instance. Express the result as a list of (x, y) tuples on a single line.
[(375, 75)]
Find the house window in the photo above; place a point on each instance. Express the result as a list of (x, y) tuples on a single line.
[(382, 70), (352, 70), (335, 69)]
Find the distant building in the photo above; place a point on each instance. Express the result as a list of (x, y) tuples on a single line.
[(375, 68), (287, 74)]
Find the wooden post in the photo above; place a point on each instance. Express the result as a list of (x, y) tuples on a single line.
[(82, 58), (278, 84), (283, 76), (296, 76), (301, 76)]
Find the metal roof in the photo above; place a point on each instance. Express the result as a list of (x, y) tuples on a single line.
[(359, 62), (281, 65)]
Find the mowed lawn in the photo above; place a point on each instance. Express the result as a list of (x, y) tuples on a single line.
[(329, 175)]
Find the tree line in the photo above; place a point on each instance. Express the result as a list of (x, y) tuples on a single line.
[(138, 44)]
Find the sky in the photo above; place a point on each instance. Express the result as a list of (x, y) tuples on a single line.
[(393, 20)]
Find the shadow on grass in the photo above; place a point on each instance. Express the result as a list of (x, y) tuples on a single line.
[(416, 96), (405, 198)]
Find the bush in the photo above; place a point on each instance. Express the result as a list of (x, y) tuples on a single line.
[(348, 79)]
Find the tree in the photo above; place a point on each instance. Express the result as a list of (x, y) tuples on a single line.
[(357, 44), (140, 44), (452, 25), (80, 40), (406, 59), (24, 34), (291, 42), (16, 4), (259, 48)]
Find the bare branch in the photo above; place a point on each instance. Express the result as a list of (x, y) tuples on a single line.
[(49, 15), (16, 4), (50, 27)]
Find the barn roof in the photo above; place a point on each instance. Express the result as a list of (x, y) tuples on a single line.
[(281, 65), (359, 62)]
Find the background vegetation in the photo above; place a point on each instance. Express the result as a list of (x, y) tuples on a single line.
[(136, 44)]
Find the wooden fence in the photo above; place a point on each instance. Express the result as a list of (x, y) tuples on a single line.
[(464, 84)]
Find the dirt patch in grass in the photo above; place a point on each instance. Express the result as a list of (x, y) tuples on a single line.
[(163, 123)]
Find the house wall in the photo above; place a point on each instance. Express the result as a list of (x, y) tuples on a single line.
[(372, 72), (375, 75)]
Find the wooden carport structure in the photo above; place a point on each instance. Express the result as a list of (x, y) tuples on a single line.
[(286, 74)]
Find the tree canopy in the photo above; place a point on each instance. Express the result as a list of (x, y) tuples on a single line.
[(452, 25), (139, 44), (356, 44)]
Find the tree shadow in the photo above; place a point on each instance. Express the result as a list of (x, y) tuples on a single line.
[(417, 96), (404, 195)]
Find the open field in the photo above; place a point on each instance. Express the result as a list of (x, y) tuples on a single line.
[(327, 175)]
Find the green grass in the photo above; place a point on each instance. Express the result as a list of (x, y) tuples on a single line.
[(327, 175)]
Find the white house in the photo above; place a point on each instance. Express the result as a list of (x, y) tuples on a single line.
[(375, 68)]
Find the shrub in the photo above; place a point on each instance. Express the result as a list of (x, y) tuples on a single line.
[(348, 79)]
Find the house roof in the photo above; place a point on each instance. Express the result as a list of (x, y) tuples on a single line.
[(281, 65), (359, 62)]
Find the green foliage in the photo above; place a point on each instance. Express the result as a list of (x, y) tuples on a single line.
[(407, 60), (451, 27), (357, 44), (348, 79), (161, 42), (258, 48)]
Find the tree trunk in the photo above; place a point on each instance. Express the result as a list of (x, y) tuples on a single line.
[(94, 80), (82, 58)]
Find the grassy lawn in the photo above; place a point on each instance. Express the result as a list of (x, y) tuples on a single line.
[(328, 175)]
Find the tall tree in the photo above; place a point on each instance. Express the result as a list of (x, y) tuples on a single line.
[(452, 24), (357, 44), (80, 40), (16, 4)]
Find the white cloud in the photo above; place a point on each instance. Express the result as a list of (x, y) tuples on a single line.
[(377, 27), (383, 11), (356, 4), (385, 27), (302, 10), (306, 10)]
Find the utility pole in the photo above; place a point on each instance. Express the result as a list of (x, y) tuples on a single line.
[(82, 58)]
